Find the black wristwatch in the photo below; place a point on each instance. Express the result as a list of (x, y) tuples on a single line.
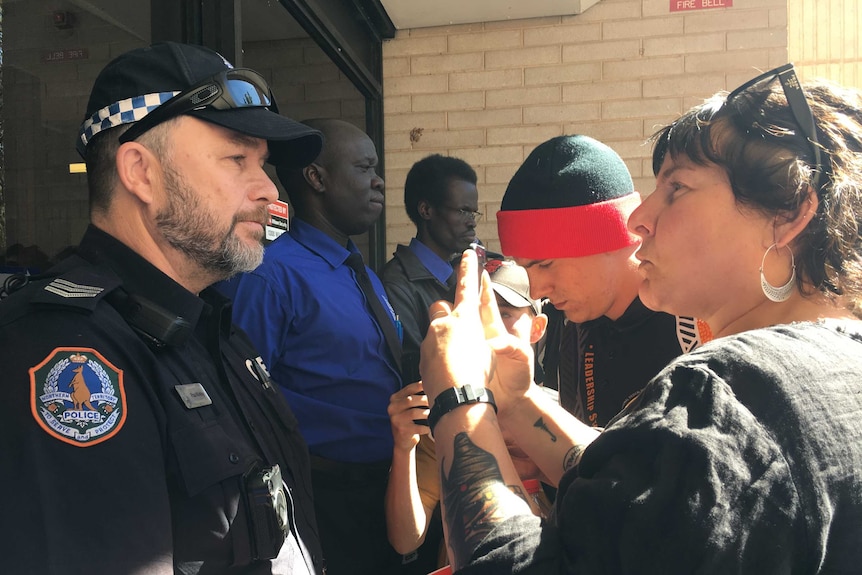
[(454, 397)]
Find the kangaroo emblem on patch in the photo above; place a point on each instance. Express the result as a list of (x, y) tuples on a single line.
[(77, 396)]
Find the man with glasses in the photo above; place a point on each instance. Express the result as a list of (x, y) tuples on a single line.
[(142, 432), (441, 199)]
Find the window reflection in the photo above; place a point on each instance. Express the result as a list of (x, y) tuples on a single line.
[(51, 53)]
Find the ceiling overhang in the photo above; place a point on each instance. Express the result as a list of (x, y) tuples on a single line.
[(407, 14)]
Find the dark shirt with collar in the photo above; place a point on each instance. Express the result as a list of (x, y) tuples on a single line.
[(124, 448), (415, 278), (616, 359), (306, 313)]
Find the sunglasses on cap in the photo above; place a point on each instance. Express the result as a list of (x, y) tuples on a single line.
[(798, 104), (227, 90)]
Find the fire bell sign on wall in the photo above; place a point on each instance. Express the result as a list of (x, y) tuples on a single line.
[(51, 56), (682, 5)]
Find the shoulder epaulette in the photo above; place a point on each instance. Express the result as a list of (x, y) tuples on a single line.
[(81, 287)]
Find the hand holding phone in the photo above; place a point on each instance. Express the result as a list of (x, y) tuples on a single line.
[(482, 257)]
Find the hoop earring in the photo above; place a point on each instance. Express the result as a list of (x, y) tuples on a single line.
[(778, 293)]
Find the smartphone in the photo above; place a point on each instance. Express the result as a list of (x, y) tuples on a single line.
[(482, 257)]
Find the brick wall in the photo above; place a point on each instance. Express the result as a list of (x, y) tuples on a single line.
[(490, 92), (306, 84), (823, 39)]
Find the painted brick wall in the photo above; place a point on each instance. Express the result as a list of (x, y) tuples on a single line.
[(824, 39), (490, 92), (306, 84)]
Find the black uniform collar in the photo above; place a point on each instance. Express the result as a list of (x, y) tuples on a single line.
[(222, 308), (636, 314), (138, 275)]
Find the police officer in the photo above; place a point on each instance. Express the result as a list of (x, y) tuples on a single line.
[(140, 430)]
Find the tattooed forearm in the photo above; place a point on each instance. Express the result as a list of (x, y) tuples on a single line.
[(573, 457), (519, 491), (473, 494), (540, 423)]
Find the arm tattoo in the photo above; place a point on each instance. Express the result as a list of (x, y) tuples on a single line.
[(540, 423), (519, 491), (474, 494), (573, 457)]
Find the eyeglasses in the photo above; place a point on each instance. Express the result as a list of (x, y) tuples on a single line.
[(798, 104), (230, 89), (465, 214)]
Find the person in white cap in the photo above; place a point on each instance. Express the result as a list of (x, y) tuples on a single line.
[(413, 494)]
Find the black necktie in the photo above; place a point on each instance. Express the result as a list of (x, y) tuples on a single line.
[(384, 320)]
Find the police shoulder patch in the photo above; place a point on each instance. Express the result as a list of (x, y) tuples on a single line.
[(77, 396)]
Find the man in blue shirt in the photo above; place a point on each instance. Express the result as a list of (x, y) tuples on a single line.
[(441, 198), (317, 332)]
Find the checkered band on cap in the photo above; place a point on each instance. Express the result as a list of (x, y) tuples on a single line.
[(122, 112)]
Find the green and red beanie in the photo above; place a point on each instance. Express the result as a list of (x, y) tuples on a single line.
[(570, 198)]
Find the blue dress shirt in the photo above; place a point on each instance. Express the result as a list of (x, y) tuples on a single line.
[(308, 317), (439, 268)]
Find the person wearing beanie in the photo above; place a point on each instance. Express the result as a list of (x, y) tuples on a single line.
[(563, 218), (142, 432)]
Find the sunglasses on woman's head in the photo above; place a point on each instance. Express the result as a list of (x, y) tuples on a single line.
[(796, 101)]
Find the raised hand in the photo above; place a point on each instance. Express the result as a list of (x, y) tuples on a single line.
[(468, 342)]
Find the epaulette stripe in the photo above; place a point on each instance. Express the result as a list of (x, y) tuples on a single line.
[(68, 289), (68, 294), (68, 284)]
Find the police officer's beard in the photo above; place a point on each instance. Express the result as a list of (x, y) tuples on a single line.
[(193, 229)]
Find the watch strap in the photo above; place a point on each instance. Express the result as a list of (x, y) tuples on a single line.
[(454, 397)]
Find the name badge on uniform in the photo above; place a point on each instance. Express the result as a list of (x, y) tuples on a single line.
[(193, 395)]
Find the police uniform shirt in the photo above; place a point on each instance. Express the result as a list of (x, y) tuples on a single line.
[(125, 453)]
